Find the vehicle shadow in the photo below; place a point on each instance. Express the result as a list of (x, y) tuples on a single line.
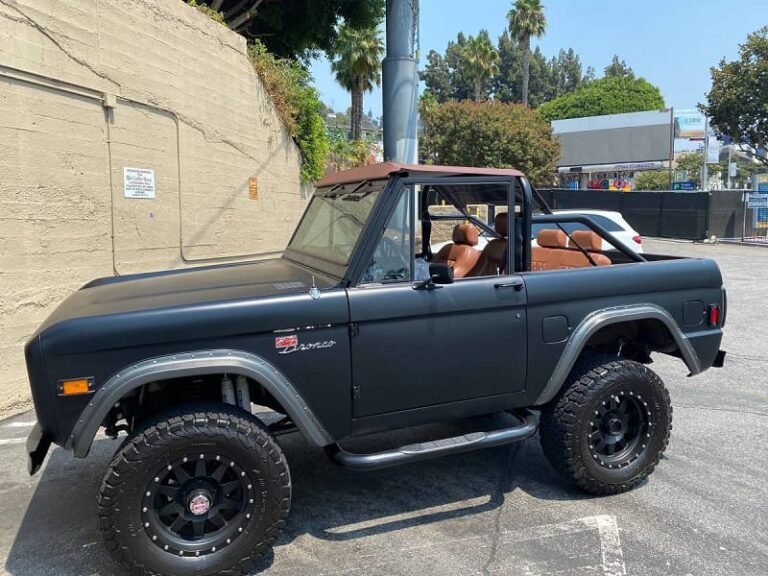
[(329, 503)]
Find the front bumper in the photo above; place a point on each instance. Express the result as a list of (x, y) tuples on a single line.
[(38, 443)]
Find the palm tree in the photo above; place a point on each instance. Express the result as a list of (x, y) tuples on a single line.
[(481, 61), (526, 19), (357, 68)]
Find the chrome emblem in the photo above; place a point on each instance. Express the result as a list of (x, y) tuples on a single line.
[(200, 505)]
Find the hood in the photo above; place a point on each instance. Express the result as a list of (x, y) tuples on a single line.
[(187, 287)]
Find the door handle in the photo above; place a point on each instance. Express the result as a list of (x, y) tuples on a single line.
[(516, 284)]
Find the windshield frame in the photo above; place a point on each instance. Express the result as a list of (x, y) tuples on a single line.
[(325, 265)]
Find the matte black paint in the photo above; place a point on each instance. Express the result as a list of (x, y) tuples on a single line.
[(417, 356)]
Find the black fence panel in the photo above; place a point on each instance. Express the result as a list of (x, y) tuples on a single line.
[(726, 213), (684, 215)]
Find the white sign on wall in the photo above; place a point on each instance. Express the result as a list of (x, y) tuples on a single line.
[(139, 182)]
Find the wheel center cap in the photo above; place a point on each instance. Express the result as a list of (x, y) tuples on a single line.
[(615, 426), (199, 504)]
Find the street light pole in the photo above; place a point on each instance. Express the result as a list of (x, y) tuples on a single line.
[(705, 167), (400, 83)]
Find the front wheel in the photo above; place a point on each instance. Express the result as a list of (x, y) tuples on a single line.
[(607, 431), (205, 491)]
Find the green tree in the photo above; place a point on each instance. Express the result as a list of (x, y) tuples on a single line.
[(481, 62), (298, 104), (492, 134), (294, 28), (652, 180), (737, 103), (526, 20), (357, 68), (618, 69), (605, 96), (437, 76), (691, 162)]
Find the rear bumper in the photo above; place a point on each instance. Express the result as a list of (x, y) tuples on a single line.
[(719, 359), (38, 443)]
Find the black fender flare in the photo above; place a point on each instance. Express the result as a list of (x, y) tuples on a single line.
[(605, 317), (235, 362)]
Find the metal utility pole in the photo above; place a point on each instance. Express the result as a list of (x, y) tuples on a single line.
[(400, 82), (705, 167), (730, 159)]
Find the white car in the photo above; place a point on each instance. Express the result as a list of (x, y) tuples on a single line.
[(612, 222)]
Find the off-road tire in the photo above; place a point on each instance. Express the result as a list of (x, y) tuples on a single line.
[(567, 421), (230, 433)]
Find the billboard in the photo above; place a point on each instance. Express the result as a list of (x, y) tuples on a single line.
[(689, 124), (621, 139)]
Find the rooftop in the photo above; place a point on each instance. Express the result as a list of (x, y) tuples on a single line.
[(386, 169)]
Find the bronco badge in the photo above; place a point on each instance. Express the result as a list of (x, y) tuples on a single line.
[(290, 344)]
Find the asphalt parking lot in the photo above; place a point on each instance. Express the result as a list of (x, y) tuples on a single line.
[(499, 511)]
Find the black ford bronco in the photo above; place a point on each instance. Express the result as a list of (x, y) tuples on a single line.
[(407, 295)]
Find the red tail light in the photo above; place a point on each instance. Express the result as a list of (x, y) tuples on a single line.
[(714, 315), (637, 239)]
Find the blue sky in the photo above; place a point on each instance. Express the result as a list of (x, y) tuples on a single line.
[(672, 43)]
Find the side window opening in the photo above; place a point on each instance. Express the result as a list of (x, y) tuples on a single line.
[(392, 260)]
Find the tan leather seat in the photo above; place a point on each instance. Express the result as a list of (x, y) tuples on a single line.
[(461, 255), (589, 241), (552, 244), (555, 253), (492, 258)]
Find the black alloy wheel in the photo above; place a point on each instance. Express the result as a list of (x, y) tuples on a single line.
[(608, 428), (198, 504), (205, 490), (617, 435)]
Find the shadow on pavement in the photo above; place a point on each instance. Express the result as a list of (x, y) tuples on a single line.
[(59, 534)]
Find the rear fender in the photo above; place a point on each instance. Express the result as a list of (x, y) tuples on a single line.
[(602, 318)]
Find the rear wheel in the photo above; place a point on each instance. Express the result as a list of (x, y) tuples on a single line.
[(607, 431), (205, 491)]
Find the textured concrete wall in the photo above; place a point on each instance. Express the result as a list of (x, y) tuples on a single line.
[(88, 87)]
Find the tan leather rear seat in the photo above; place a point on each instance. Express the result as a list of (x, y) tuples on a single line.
[(553, 252), (589, 241), (552, 243)]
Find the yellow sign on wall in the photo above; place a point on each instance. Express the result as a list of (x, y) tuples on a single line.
[(253, 188)]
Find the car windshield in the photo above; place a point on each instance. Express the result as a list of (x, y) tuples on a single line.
[(333, 223)]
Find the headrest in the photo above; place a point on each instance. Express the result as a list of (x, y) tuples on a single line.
[(590, 241), (465, 234), (552, 238), (501, 224)]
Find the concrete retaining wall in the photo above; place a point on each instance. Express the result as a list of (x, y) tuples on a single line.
[(89, 87)]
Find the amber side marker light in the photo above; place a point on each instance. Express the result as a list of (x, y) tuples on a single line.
[(76, 386)]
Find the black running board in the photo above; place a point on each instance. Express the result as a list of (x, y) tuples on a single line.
[(443, 447)]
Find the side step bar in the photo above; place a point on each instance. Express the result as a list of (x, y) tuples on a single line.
[(443, 447)]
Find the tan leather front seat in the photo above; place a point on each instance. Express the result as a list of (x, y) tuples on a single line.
[(461, 255), (492, 258)]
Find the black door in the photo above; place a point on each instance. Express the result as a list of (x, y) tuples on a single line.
[(415, 348)]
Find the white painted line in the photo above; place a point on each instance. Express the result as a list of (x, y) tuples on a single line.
[(20, 424), (5, 441)]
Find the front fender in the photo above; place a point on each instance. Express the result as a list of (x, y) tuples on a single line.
[(197, 363)]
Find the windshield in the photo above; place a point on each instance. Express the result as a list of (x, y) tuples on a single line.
[(334, 222)]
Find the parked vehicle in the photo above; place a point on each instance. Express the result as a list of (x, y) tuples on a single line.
[(360, 328), (611, 221)]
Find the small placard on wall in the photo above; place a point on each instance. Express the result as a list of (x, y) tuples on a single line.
[(138, 183), (253, 188)]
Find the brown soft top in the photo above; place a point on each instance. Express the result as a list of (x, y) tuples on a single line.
[(386, 169)]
